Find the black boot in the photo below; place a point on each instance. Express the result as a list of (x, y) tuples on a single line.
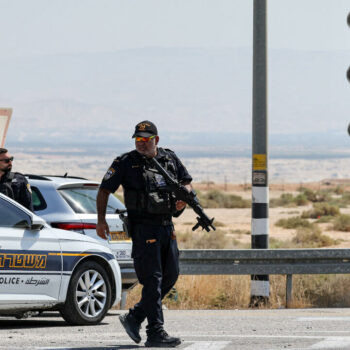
[(161, 339), (132, 326)]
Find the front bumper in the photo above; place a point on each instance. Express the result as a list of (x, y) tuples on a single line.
[(114, 265)]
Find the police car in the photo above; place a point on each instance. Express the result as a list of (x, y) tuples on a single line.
[(43, 268), (69, 203)]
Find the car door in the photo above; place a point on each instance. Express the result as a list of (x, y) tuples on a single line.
[(30, 259)]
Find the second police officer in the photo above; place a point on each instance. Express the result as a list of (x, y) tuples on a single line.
[(150, 209), (13, 184)]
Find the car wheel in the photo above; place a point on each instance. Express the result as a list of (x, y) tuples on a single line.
[(89, 295)]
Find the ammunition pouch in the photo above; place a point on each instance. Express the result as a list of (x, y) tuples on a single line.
[(158, 203)]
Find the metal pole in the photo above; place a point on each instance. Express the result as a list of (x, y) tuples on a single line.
[(260, 285), (123, 300)]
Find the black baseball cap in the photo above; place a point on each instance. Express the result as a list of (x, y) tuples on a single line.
[(145, 129)]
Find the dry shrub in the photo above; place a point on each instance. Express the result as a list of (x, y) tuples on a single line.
[(233, 292), (293, 222), (285, 200), (300, 200), (211, 292), (345, 198), (219, 224), (134, 296), (316, 196), (342, 223), (218, 199), (323, 219), (238, 231), (278, 292), (206, 240), (204, 292), (321, 209), (340, 201), (288, 200), (211, 240), (322, 290), (312, 238), (339, 189), (275, 243)]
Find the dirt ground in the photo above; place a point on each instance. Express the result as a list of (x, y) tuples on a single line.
[(231, 220)]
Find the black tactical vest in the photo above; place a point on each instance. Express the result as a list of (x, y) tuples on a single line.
[(5, 185), (155, 197)]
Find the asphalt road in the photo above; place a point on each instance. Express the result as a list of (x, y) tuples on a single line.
[(200, 330)]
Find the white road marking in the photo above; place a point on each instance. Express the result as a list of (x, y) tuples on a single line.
[(207, 345), (187, 337), (332, 343), (321, 342), (314, 331), (323, 318), (197, 345)]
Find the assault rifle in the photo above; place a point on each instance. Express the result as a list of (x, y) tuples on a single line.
[(181, 193)]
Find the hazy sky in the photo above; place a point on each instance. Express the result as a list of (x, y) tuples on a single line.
[(38, 27), (309, 42)]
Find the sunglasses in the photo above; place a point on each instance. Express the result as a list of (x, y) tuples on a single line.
[(145, 139), (7, 160)]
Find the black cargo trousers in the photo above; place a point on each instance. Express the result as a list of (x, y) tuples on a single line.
[(156, 262)]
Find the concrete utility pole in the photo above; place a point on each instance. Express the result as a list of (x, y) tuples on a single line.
[(260, 285)]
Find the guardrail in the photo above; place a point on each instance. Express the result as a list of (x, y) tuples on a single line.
[(265, 262)]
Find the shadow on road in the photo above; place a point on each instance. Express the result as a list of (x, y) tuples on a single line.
[(32, 323), (112, 347), (43, 320), (18, 324)]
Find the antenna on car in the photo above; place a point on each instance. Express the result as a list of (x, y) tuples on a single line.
[(65, 175)]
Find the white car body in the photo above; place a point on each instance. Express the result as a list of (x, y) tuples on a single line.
[(38, 262), (70, 203)]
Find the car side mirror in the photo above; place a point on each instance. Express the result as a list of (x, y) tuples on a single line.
[(23, 224), (37, 224)]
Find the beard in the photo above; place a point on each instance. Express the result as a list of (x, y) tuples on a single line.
[(7, 169)]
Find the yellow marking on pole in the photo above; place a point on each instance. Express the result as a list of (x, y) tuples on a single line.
[(259, 161)]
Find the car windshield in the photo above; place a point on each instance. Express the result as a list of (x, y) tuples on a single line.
[(83, 200)]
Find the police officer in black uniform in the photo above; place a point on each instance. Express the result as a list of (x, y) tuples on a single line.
[(150, 209), (14, 185)]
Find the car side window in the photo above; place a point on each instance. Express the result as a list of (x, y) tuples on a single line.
[(11, 216), (83, 200), (38, 199)]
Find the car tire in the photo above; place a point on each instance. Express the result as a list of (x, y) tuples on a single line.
[(89, 295)]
